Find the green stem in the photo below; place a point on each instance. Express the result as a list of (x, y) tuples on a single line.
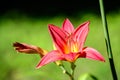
[(72, 69), (64, 70), (71, 75), (107, 40)]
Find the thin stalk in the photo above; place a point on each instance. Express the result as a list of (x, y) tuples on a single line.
[(64, 70), (71, 75), (72, 69), (107, 40)]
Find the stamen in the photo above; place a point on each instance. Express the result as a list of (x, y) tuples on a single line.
[(72, 45)]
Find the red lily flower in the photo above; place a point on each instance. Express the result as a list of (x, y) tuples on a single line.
[(69, 43)]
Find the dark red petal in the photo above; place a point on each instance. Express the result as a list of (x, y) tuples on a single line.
[(58, 37)]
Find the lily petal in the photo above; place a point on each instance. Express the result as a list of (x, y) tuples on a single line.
[(80, 34), (58, 37), (50, 57), (29, 49), (67, 26), (71, 57), (92, 54)]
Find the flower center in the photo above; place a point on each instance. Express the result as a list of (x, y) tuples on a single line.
[(72, 46)]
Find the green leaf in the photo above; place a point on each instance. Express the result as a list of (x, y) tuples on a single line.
[(87, 76)]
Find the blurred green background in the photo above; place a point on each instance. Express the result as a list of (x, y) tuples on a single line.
[(33, 29)]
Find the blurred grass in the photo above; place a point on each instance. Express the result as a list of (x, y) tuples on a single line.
[(18, 66)]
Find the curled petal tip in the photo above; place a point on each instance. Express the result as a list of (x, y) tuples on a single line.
[(88, 22), (37, 67), (92, 54), (103, 60)]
